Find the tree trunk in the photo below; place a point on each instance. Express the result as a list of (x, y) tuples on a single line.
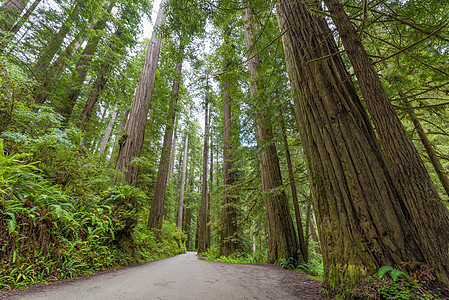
[(428, 212), (132, 140), (283, 243), (183, 178), (54, 71), (160, 190), (108, 131), (438, 167), (82, 68), (203, 208), (361, 217), (229, 240), (100, 82), (299, 227), (209, 197), (172, 154)]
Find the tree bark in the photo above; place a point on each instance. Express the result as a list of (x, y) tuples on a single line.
[(108, 131), (160, 190), (428, 212), (361, 217), (132, 140), (172, 154), (209, 197), (203, 209), (229, 239), (282, 239), (299, 227), (183, 179)]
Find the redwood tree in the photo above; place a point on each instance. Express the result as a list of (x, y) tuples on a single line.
[(428, 212), (131, 141), (282, 239), (362, 220), (160, 189)]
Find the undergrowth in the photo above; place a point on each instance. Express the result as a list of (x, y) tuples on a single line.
[(50, 231)]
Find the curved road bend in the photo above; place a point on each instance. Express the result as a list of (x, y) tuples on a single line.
[(185, 276)]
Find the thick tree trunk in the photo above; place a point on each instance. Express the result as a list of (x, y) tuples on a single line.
[(132, 140), (299, 226), (428, 212), (160, 190), (282, 239), (107, 134), (361, 217), (203, 208), (100, 82), (229, 239), (183, 178)]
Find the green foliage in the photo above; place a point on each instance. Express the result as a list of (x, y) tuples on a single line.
[(48, 234), (257, 257), (395, 273)]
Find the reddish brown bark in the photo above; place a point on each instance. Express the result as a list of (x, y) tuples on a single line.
[(183, 178), (160, 189), (361, 217), (427, 211), (282, 239), (132, 140), (202, 245)]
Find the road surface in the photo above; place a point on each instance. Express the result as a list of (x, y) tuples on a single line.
[(185, 276)]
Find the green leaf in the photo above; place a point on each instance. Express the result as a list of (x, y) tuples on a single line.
[(383, 270), (395, 274)]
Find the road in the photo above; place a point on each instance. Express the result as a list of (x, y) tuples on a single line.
[(185, 276)]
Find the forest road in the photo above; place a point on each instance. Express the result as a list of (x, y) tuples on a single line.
[(185, 276)]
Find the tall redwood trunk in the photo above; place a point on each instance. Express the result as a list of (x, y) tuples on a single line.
[(299, 227), (132, 139), (108, 131), (282, 239), (229, 239), (203, 207), (362, 220), (183, 179), (172, 153), (428, 212), (209, 197), (160, 190)]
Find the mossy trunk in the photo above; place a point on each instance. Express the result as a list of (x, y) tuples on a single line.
[(362, 220), (427, 211)]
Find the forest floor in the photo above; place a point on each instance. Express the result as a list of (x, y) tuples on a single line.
[(184, 276)]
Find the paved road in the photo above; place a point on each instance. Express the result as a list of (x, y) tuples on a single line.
[(184, 276)]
